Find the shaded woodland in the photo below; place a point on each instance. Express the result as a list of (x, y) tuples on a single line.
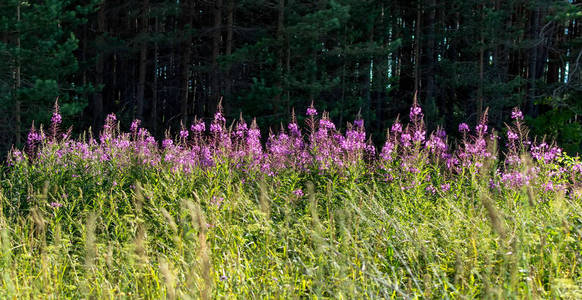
[(169, 62)]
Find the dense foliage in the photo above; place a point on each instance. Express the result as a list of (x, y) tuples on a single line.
[(314, 211), (167, 61)]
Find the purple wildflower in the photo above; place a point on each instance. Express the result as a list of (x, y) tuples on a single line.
[(512, 135), (463, 127), (56, 118), (215, 128), (294, 129), (56, 204), (167, 143), (405, 139), (135, 125), (217, 201), (431, 189), (198, 127), (34, 137), (111, 118), (516, 114), (419, 136), (415, 112), (549, 187), (327, 124), (298, 192), (481, 128), (387, 150), (445, 187), (396, 127), (311, 111), (241, 129)]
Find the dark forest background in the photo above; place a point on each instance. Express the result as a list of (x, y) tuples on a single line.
[(165, 62)]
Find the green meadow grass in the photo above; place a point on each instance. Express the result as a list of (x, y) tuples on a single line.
[(143, 233)]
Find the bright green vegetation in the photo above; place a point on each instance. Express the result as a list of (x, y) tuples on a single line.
[(143, 233)]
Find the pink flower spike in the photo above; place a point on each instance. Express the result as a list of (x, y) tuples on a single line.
[(512, 135), (135, 125), (311, 111), (516, 114), (415, 111), (463, 127)]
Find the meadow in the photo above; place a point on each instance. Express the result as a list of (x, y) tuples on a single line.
[(314, 212)]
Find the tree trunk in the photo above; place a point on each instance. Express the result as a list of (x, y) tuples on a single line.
[(369, 77), (481, 66), (215, 89), (228, 51), (533, 61), (154, 109), (429, 63), (99, 70), (142, 60), (280, 54), (17, 105), (417, 52), (186, 60)]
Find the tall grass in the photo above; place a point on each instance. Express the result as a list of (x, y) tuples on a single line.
[(309, 215)]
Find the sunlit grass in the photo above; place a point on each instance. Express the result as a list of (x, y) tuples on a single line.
[(81, 227)]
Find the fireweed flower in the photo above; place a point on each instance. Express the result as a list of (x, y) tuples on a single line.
[(134, 125), (217, 201), (215, 128), (294, 129), (515, 179), (241, 130), (445, 187), (436, 143), (431, 189), (253, 141), (311, 111), (512, 135), (327, 124), (183, 133), (111, 118), (325, 149), (419, 136), (56, 118), (387, 150), (441, 133), (34, 137), (218, 117), (405, 139), (549, 186), (56, 204), (463, 127), (516, 114), (396, 127), (167, 143), (298, 192), (198, 127), (415, 112)]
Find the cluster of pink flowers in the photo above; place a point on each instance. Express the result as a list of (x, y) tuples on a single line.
[(324, 149)]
